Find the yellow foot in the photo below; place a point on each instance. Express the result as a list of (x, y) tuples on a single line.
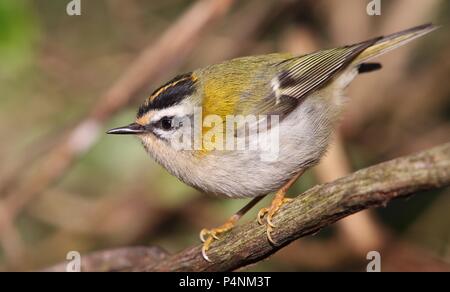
[(207, 236), (277, 202)]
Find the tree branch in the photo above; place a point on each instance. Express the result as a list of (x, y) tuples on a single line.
[(313, 210), (118, 259)]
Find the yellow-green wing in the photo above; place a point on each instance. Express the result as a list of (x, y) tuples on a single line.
[(297, 77)]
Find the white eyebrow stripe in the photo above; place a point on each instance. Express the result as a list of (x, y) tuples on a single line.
[(180, 110)]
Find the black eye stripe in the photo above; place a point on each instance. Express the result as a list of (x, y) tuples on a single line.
[(169, 94)]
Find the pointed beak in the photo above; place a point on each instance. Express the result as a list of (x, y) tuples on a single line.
[(131, 129)]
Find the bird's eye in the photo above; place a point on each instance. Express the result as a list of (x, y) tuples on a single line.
[(166, 123)]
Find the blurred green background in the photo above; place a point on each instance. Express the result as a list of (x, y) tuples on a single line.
[(55, 67)]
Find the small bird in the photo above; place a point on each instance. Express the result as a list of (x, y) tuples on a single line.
[(303, 94)]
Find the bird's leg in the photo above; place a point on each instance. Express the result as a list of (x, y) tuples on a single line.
[(207, 236), (277, 202)]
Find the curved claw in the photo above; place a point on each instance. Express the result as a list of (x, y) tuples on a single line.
[(203, 233), (205, 256), (269, 221), (269, 235), (261, 215), (207, 236), (205, 248), (271, 211)]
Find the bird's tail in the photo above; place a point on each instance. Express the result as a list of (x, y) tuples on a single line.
[(387, 43)]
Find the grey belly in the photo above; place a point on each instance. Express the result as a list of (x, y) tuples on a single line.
[(303, 139)]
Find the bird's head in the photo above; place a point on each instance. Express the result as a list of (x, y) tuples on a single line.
[(166, 115)]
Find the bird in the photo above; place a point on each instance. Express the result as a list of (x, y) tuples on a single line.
[(283, 110)]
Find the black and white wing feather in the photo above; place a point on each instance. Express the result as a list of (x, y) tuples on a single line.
[(298, 77)]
